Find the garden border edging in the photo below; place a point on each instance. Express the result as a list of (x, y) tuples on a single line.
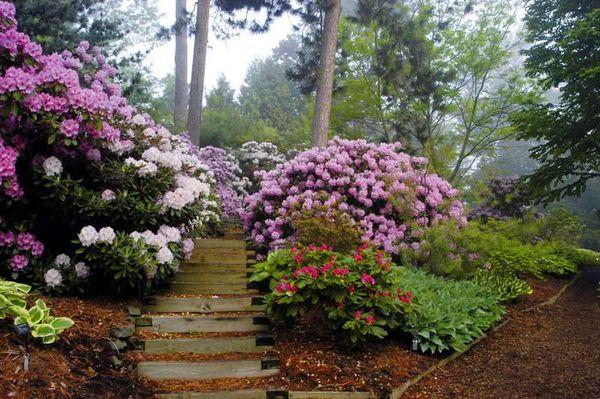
[(399, 391)]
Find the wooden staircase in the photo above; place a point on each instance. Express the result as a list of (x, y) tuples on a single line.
[(208, 309)]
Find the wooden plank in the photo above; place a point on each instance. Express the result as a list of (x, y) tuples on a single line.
[(204, 345), (330, 395), (206, 324), (204, 243), (202, 305), (201, 276), (206, 288), (223, 259), (249, 394), (214, 267), (164, 370)]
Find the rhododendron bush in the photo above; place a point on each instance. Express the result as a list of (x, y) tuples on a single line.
[(231, 185), (90, 190), (390, 195), (358, 294)]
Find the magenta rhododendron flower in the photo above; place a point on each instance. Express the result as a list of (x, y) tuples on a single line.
[(367, 279)]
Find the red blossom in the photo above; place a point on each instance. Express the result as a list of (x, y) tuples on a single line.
[(367, 279), (357, 315), (370, 320)]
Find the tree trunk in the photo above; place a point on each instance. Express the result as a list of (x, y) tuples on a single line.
[(320, 125), (198, 68), (181, 87)]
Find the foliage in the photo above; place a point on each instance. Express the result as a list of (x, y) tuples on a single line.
[(561, 225), (74, 155), (13, 303), (358, 294), (389, 194), (447, 314), (563, 55), (323, 225), (505, 286), (459, 252), (505, 199), (586, 257)]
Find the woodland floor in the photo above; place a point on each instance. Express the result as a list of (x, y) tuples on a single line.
[(550, 353)]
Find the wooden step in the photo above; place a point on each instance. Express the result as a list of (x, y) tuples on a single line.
[(220, 258), (248, 394), (214, 267), (202, 276), (218, 243), (206, 345), (211, 288), (202, 305), (208, 323), (168, 370)]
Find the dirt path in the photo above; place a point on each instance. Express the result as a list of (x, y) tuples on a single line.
[(550, 353)]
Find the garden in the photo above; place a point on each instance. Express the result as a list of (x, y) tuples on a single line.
[(255, 252)]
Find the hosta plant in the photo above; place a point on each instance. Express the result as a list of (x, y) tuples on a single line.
[(506, 287), (359, 294), (447, 314), (13, 302)]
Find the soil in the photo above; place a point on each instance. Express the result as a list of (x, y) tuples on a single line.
[(76, 366), (549, 353)]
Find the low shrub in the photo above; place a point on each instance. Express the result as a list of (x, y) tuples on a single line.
[(447, 314), (505, 286), (458, 252), (256, 157), (13, 302), (321, 225), (585, 257), (359, 294)]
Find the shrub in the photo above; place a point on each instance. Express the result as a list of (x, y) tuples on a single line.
[(359, 294), (84, 174), (389, 194), (13, 301), (327, 226), (505, 286), (505, 198), (447, 314), (458, 253), (558, 224), (231, 184)]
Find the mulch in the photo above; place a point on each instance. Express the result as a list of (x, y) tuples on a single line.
[(74, 367), (550, 353), (312, 359)]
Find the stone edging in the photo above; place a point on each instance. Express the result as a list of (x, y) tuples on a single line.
[(398, 392)]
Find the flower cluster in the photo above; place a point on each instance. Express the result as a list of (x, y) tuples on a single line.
[(231, 185), (389, 194), (359, 294), (19, 248), (74, 154), (255, 158)]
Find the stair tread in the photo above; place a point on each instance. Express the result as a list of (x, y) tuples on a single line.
[(196, 370)]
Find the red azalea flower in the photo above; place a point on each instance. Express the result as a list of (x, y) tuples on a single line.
[(327, 266), (367, 279), (357, 315), (352, 289), (370, 320), (341, 271), (358, 256)]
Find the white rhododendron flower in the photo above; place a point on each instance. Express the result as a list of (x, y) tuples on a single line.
[(108, 195), (53, 278), (53, 166), (164, 256), (106, 235), (62, 260), (88, 236), (171, 234), (81, 270)]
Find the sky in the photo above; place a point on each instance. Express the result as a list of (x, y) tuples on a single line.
[(230, 57)]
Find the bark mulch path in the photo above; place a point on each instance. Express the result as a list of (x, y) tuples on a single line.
[(549, 353)]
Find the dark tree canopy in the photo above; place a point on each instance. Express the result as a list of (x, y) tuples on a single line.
[(565, 54)]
